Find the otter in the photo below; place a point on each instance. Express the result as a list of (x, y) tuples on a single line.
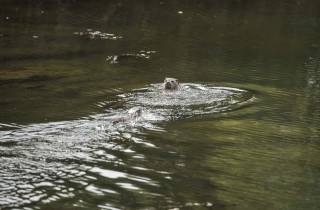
[(171, 84), (131, 114), (134, 112)]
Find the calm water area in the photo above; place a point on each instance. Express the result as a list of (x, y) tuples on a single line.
[(241, 133)]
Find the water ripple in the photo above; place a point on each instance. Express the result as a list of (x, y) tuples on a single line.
[(142, 54), (91, 34), (42, 163), (191, 99)]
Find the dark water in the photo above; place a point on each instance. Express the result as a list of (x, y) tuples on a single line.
[(242, 133)]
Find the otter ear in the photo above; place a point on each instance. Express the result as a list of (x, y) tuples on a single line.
[(177, 81)]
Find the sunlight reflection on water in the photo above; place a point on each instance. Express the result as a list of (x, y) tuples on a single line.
[(39, 154)]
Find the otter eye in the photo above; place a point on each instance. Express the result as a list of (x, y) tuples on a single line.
[(171, 81)]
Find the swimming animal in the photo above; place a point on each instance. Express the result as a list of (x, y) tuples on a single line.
[(171, 84), (132, 114)]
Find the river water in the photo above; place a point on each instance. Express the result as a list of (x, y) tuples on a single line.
[(242, 132)]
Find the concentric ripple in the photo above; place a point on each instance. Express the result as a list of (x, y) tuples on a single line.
[(190, 99)]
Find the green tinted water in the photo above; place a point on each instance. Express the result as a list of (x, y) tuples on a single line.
[(263, 155)]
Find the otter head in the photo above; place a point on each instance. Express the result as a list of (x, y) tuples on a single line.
[(171, 84), (135, 112)]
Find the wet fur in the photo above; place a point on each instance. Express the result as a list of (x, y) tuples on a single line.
[(171, 84)]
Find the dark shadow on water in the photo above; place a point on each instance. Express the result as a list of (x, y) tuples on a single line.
[(31, 79)]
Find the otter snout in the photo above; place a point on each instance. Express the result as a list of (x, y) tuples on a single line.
[(167, 85)]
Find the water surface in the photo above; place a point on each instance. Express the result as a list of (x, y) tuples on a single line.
[(241, 134)]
